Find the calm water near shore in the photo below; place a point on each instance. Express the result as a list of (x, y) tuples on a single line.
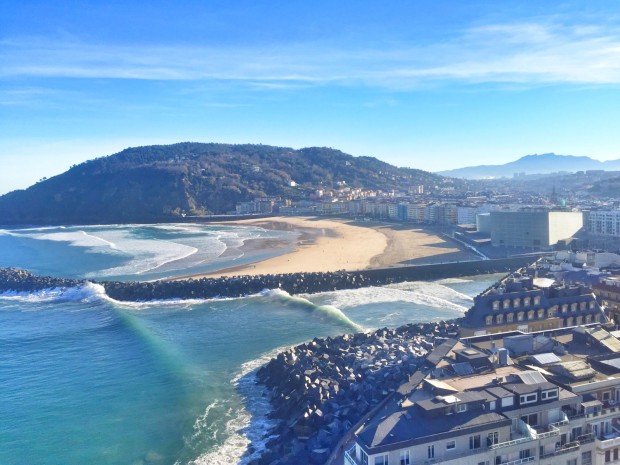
[(85, 379)]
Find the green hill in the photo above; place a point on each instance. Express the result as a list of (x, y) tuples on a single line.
[(163, 182)]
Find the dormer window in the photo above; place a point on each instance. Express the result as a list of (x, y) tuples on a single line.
[(496, 305), (588, 319), (537, 300), (520, 316), (564, 308), (582, 306), (541, 313), (499, 318), (506, 304), (551, 394), (516, 302), (528, 398), (573, 307), (509, 318), (489, 320), (530, 315), (461, 408), (551, 312), (526, 301), (592, 305)]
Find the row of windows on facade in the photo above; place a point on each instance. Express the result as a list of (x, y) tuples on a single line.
[(540, 314), (475, 442), (516, 303)]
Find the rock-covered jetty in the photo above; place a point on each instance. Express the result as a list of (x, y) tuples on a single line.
[(16, 280), (12, 279), (320, 389)]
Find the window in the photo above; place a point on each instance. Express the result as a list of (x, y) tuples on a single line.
[(586, 458), (509, 318), (553, 394), (520, 316), (461, 408), (474, 442), (606, 395), (541, 313), (524, 453), (564, 308), (450, 445), (499, 318), (404, 457), (582, 306), (364, 457), (607, 456), (571, 462), (591, 305), (537, 300), (530, 315), (496, 305), (531, 419), (381, 460), (526, 301), (493, 438), (431, 452), (527, 398), (489, 319), (516, 302), (506, 304)]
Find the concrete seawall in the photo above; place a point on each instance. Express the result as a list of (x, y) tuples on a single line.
[(15, 280)]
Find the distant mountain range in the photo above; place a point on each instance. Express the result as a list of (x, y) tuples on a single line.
[(164, 182), (533, 164)]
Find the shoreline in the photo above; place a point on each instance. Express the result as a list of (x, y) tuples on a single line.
[(334, 244)]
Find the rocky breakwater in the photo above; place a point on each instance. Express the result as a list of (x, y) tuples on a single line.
[(16, 280), (320, 389)]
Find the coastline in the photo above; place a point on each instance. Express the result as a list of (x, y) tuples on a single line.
[(327, 245)]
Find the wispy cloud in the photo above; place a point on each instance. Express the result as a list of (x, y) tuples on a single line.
[(523, 53)]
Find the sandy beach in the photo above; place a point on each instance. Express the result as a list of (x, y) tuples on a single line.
[(334, 244)]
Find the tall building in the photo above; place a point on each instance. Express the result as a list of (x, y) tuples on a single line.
[(533, 229), (604, 223)]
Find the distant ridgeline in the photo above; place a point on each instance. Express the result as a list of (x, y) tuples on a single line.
[(164, 182), (14, 280)]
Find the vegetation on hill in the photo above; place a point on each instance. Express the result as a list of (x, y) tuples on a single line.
[(163, 182)]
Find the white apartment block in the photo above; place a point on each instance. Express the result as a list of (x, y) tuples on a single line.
[(478, 406), (604, 223)]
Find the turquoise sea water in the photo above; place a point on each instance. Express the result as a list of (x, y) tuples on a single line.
[(86, 379)]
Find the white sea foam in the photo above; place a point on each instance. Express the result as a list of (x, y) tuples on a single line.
[(88, 292), (246, 426), (417, 295), (329, 311)]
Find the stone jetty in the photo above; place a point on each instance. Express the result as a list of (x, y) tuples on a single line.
[(320, 389), (12, 279)]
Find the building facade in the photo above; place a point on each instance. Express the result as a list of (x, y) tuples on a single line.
[(537, 230)]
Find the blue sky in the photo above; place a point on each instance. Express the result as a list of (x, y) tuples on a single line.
[(423, 84)]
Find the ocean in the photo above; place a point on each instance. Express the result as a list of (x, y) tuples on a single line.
[(87, 379)]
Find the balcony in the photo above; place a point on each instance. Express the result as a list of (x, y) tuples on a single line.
[(610, 443), (564, 449), (350, 458), (520, 461)]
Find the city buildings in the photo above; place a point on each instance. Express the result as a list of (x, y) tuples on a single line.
[(532, 299), (508, 399)]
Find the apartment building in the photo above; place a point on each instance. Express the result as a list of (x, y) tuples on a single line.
[(485, 402), (603, 223), (525, 302)]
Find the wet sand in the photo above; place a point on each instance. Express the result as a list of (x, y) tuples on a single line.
[(337, 244)]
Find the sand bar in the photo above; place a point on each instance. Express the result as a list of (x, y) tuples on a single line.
[(334, 244)]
